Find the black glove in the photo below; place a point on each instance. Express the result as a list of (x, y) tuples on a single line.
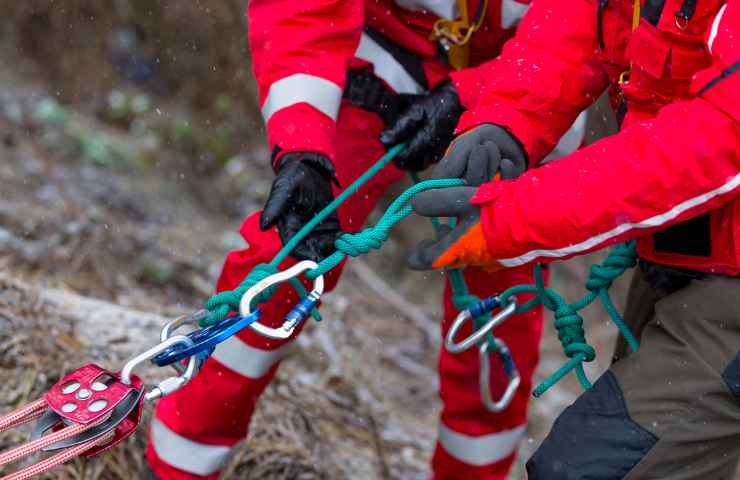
[(480, 154), (302, 187), (426, 127)]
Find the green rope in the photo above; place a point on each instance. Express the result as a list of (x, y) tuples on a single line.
[(568, 321), (462, 299), (348, 244)]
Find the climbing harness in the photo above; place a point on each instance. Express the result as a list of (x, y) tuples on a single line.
[(453, 36), (92, 409)]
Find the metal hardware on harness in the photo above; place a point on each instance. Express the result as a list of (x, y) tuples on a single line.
[(168, 385), (204, 339), (298, 314), (471, 313), (485, 376)]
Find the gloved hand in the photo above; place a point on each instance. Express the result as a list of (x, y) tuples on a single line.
[(302, 187), (455, 247), (426, 127), (478, 155)]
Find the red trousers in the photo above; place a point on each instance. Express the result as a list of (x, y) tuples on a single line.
[(194, 429)]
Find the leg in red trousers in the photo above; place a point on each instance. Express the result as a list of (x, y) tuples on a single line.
[(473, 442)]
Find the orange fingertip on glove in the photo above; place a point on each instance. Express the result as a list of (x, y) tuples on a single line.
[(470, 250)]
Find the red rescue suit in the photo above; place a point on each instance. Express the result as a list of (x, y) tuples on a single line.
[(669, 178), (302, 52)]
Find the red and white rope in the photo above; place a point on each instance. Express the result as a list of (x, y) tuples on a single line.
[(22, 415), (58, 459)]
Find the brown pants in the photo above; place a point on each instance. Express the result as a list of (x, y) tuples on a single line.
[(669, 411)]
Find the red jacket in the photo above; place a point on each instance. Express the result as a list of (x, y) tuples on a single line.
[(676, 159), (302, 50)]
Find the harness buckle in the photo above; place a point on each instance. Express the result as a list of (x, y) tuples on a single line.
[(299, 312), (473, 312), (485, 376)]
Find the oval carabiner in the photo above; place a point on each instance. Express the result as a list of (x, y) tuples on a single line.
[(477, 310), (173, 325), (298, 314), (168, 385), (485, 377)]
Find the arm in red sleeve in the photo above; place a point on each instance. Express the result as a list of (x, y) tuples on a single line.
[(300, 54), (469, 82), (546, 75), (680, 165)]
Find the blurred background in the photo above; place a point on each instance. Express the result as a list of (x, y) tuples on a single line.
[(131, 147)]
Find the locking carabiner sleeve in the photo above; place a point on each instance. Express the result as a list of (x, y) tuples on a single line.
[(473, 312)]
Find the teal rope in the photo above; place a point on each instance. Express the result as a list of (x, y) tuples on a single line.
[(461, 296), (568, 322), (348, 244)]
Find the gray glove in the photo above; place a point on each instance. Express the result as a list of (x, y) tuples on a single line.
[(480, 154)]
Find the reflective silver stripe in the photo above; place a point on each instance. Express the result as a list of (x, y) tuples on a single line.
[(512, 13), (444, 8), (715, 27), (246, 360), (481, 450), (320, 93), (655, 221), (180, 452), (387, 67)]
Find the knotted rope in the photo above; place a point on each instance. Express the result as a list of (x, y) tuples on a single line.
[(568, 321)]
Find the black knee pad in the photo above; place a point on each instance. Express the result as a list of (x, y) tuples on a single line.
[(593, 439)]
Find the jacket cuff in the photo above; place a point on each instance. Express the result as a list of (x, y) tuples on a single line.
[(301, 128), (519, 124)]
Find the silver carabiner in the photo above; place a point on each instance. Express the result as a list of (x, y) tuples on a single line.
[(174, 325), (168, 385), (485, 377), (296, 316), (477, 336)]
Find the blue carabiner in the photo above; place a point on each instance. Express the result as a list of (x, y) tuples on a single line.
[(206, 339)]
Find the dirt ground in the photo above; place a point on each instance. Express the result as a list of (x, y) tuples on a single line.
[(126, 194)]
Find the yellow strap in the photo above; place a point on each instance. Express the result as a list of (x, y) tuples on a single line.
[(459, 31), (636, 14), (624, 76), (462, 5)]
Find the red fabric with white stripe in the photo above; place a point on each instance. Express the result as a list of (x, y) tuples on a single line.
[(318, 40), (677, 158), (215, 408)]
